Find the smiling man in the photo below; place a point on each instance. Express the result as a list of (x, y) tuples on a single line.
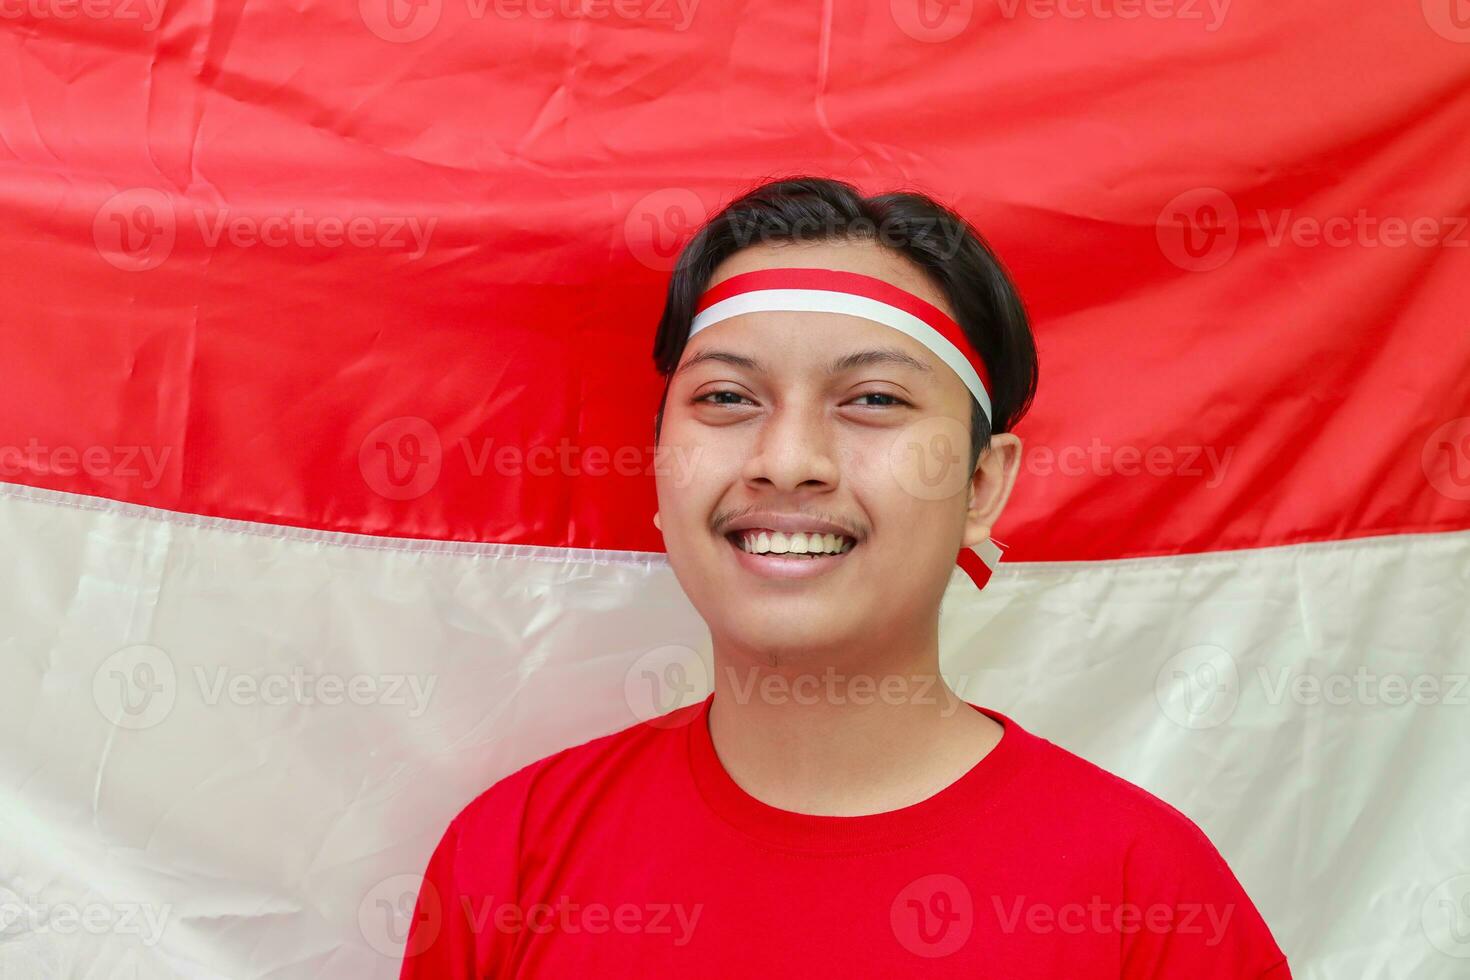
[(846, 371)]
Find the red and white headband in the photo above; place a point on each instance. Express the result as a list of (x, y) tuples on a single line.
[(852, 293), (870, 298)]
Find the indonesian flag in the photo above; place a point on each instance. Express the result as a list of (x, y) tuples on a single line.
[(327, 419)]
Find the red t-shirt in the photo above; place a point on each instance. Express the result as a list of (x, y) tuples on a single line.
[(636, 855)]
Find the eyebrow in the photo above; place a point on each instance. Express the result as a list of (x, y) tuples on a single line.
[(857, 359)]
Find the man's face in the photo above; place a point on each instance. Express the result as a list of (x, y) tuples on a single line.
[(874, 452)]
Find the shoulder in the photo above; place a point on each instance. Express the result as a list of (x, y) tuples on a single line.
[(1172, 880), (575, 777), (1119, 816)]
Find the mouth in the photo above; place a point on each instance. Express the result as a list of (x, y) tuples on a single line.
[(776, 554)]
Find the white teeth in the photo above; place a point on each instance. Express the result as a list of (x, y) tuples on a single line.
[(797, 543)]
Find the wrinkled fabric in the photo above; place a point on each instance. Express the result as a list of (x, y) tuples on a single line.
[(160, 758), (326, 430)]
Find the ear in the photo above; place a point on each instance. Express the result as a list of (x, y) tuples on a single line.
[(655, 521), (990, 486)]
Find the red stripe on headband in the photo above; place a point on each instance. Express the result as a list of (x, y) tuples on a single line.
[(856, 284)]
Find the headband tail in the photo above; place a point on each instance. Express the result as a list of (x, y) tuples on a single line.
[(980, 561)]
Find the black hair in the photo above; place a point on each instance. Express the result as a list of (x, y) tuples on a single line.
[(951, 252)]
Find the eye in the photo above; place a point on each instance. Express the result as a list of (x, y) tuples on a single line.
[(893, 400), (712, 397)]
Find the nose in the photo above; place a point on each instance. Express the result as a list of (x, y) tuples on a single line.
[(795, 450)]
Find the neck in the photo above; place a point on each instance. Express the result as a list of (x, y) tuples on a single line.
[(864, 735)]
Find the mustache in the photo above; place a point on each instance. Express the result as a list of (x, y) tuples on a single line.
[(856, 530)]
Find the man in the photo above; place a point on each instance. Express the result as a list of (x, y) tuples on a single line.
[(833, 809)]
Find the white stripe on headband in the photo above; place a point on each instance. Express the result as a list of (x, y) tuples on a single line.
[(831, 301)]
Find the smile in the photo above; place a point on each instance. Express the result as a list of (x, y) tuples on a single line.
[(777, 554)]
